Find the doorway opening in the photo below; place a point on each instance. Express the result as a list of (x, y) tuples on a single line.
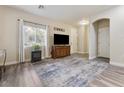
[(102, 31)]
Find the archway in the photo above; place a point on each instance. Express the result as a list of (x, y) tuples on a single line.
[(102, 31)]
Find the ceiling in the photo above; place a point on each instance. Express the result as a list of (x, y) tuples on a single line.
[(70, 14)]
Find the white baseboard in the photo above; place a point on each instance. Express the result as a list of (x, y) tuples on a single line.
[(117, 64), (27, 60), (82, 52), (11, 62), (73, 52), (48, 57), (92, 57)]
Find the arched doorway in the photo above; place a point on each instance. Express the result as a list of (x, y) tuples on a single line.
[(102, 31)]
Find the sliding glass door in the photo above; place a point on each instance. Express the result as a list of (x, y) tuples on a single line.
[(34, 35)]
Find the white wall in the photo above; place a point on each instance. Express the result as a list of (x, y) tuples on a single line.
[(116, 16), (9, 30), (83, 39)]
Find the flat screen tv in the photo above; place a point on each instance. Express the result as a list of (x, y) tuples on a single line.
[(61, 39)]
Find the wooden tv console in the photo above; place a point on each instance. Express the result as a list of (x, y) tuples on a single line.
[(60, 51)]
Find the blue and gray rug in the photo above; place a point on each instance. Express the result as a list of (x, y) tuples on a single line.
[(71, 72)]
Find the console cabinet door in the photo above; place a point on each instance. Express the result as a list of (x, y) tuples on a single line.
[(60, 51)]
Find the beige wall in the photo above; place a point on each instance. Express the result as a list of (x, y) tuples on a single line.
[(116, 34), (9, 30), (83, 39)]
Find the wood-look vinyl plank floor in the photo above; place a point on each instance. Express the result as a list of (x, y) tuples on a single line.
[(20, 75), (112, 77), (24, 75)]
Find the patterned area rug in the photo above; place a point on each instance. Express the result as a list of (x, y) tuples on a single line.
[(74, 72)]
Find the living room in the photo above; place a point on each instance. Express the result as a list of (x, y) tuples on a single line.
[(61, 46)]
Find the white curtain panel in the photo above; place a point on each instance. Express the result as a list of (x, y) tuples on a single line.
[(21, 41)]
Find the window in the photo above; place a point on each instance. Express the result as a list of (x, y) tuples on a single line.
[(29, 34), (34, 35)]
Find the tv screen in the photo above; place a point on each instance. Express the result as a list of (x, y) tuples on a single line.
[(61, 39)]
